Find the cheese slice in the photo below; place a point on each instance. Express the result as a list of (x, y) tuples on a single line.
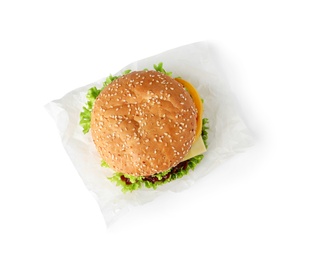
[(198, 103), (197, 148)]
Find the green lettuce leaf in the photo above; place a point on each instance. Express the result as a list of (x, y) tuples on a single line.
[(85, 115), (205, 128), (159, 68)]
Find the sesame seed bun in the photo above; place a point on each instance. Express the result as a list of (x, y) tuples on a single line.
[(143, 123)]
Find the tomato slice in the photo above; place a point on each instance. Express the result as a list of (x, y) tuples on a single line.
[(198, 103)]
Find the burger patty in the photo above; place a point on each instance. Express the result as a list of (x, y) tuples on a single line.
[(181, 166)]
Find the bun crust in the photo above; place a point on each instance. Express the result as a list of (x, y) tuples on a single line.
[(143, 123)]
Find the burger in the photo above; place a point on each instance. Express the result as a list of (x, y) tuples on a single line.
[(146, 126)]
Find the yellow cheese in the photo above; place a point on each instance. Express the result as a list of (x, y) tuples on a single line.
[(197, 148), (198, 103)]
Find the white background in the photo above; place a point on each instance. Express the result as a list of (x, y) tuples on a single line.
[(257, 205)]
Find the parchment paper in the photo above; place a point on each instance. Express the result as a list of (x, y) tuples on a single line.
[(227, 135)]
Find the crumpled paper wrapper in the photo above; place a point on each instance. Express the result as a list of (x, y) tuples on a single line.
[(228, 134)]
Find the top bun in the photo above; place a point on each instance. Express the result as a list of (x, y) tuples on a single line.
[(143, 123)]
